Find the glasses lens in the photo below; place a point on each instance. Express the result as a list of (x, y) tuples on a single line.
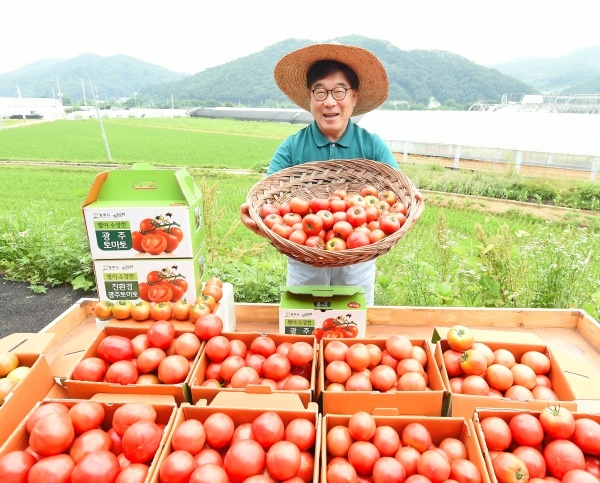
[(338, 93), (320, 94)]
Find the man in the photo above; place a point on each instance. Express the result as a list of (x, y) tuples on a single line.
[(334, 82)]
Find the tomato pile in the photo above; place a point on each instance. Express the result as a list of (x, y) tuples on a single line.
[(546, 446), (336, 328), (181, 309), (157, 235), (339, 222), (368, 367), (234, 364), (157, 356), (474, 368), (362, 450), (217, 450), (11, 373), (77, 443)]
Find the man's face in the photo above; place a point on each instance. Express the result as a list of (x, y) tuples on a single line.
[(332, 116)]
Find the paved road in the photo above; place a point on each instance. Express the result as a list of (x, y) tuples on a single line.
[(22, 310)]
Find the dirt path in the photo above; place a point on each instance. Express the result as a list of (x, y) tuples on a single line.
[(494, 206)]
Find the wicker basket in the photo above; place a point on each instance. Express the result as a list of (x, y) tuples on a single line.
[(320, 179)]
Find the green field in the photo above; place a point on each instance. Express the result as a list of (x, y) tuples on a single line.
[(453, 257)]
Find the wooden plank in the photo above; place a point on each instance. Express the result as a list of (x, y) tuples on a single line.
[(69, 319)]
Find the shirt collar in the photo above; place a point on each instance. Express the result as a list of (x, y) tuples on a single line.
[(321, 140)]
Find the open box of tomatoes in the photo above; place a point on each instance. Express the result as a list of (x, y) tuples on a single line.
[(383, 447), (80, 440), (126, 360), (486, 368), (365, 374), (233, 361), (550, 445), (239, 436)]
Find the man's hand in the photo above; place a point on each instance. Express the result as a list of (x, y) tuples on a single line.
[(247, 219)]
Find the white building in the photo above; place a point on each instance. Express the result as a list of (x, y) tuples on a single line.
[(49, 109)]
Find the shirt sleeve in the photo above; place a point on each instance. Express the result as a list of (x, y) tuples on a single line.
[(383, 153)]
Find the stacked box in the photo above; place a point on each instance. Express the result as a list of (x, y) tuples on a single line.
[(145, 229)]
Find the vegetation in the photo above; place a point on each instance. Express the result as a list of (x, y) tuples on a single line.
[(452, 257)]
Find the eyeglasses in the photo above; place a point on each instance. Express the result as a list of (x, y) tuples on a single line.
[(338, 93)]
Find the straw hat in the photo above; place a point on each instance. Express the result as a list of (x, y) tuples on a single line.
[(290, 74)]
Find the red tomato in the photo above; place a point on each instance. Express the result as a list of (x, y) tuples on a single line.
[(136, 240), (86, 415), (399, 346), (452, 362), (173, 369), (387, 440), (134, 473), (578, 476), (213, 290), (539, 362), (143, 289), (161, 334), (315, 242), (271, 220), (417, 436), (399, 207), (244, 459), (533, 459), (208, 326), (268, 429), (178, 466), (464, 471), (148, 224), (301, 432), (299, 205), (217, 348), (115, 348), (509, 468), (181, 309), (154, 244), (327, 217), (523, 376), (122, 372), (149, 360), (504, 357), (496, 432), (586, 435), (15, 465), (187, 345), (160, 292), (90, 441), (141, 441), (178, 288), (460, 338), (292, 218), (99, 467), (357, 239), (263, 345), (218, 428), (171, 238), (52, 434), (383, 377), (369, 190), (298, 236), (268, 209), (300, 353), (141, 311), (561, 456), (318, 204), (363, 455), (337, 205), (198, 310), (356, 215), (558, 422), (526, 429), (362, 426), (312, 224), (209, 473), (189, 436), (342, 229), (388, 196), (499, 377), (434, 465), (454, 448), (277, 366), (391, 223), (91, 369), (127, 414), (283, 460), (57, 468)]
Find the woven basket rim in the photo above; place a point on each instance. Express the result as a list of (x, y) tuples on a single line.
[(316, 178)]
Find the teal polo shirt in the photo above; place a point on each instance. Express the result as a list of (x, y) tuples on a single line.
[(309, 144)]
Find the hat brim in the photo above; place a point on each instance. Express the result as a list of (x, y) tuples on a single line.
[(290, 74)]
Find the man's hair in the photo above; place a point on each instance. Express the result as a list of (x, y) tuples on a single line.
[(324, 68)]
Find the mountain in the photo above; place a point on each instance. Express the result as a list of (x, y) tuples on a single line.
[(112, 77), (414, 77), (575, 73)]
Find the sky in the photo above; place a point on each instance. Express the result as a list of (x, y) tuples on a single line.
[(190, 36)]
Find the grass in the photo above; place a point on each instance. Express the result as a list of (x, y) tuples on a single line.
[(453, 256)]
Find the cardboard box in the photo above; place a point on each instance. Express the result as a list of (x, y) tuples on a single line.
[(165, 414), (33, 387), (465, 404), (418, 403), (506, 415), (121, 279), (200, 392), (121, 199), (439, 428), (245, 408), (86, 389), (305, 308)]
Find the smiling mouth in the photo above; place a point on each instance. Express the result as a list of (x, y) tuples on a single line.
[(330, 115)]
